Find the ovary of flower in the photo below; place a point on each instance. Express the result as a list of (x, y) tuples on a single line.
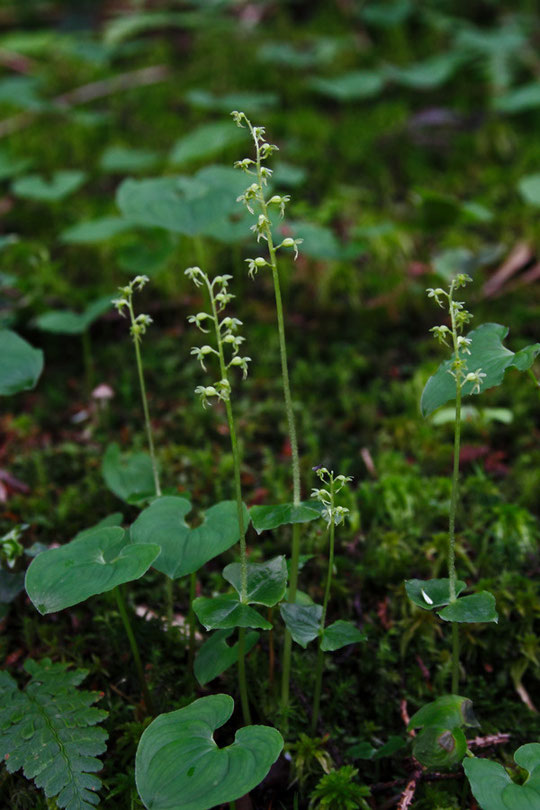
[(440, 332), (119, 304), (475, 377), (436, 294)]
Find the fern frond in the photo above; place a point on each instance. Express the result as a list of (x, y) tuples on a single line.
[(49, 730)]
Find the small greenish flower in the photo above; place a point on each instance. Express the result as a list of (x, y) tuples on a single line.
[(196, 275), (476, 377), (198, 320), (255, 264), (201, 352), (281, 201), (440, 333), (289, 242)]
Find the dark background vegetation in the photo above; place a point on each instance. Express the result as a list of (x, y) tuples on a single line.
[(410, 169)]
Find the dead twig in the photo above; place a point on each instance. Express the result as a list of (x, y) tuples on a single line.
[(408, 794)]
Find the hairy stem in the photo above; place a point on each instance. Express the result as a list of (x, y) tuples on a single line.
[(295, 459), (240, 509), (122, 609), (320, 654), (453, 507)]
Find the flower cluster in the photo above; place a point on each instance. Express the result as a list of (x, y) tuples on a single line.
[(139, 323), (226, 334), (326, 495), (255, 199), (459, 317)]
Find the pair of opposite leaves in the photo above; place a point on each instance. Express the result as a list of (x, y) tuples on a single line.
[(100, 558)]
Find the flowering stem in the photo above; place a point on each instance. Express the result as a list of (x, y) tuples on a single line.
[(144, 398), (295, 460), (320, 654), (240, 508), (453, 503)]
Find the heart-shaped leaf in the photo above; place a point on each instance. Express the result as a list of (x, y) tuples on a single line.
[(91, 231), (62, 184), (20, 364), (94, 563), (270, 517), (204, 142), (431, 593), (128, 475), (486, 353), (340, 634), (303, 621), (449, 711), (493, 788), (183, 549), (216, 656), (124, 159), (226, 612), (350, 86), (67, 322), (266, 582), (198, 205), (479, 607), (178, 764), (440, 747)]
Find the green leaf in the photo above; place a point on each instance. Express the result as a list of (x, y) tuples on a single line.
[(448, 711), (494, 790), (350, 86), (250, 103), (128, 475), (184, 550), (427, 74), (95, 230), (431, 593), (216, 656), (197, 205), (178, 764), (264, 518), (519, 99), (126, 26), (50, 730), (387, 14), (487, 780), (303, 621), (124, 159), (266, 582), (486, 353), (61, 185), (67, 322), (529, 188), (440, 747), (20, 364), (479, 607), (226, 612), (339, 634), (205, 142), (90, 565)]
